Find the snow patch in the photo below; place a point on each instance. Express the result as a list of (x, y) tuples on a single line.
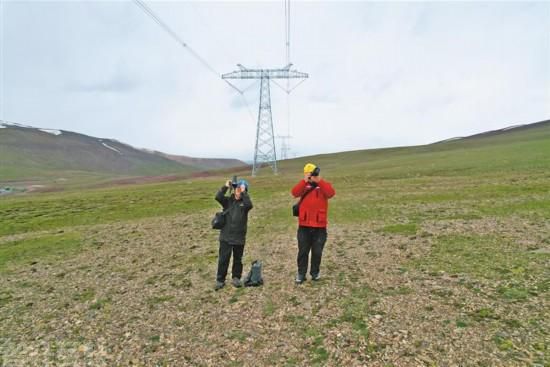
[(5, 124), (51, 131), (8, 124), (110, 147)]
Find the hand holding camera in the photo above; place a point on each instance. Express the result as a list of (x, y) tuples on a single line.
[(232, 183), (313, 176)]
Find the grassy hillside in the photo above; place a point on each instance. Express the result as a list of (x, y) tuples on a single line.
[(32, 154), (204, 163), (437, 255)]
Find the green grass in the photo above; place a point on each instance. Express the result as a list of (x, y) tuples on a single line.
[(269, 308), (484, 314), (47, 248), (355, 310), (488, 257), (314, 338), (440, 203), (86, 295), (5, 297), (159, 299), (516, 273), (497, 176), (51, 211), (403, 229), (461, 323), (237, 335), (99, 304), (503, 343)]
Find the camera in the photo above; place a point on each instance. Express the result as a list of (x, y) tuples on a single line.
[(316, 172), (234, 182)]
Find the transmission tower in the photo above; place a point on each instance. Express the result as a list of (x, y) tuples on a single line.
[(264, 150), (285, 146)]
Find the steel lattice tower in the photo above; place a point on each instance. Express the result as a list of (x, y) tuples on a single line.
[(264, 150), (284, 146)]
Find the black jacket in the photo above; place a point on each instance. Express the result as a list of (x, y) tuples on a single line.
[(236, 219)]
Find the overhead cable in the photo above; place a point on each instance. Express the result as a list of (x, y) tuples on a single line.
[(168, 30), (182, 43)]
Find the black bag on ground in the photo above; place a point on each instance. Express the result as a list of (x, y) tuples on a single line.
[(254, 277), (219, 220)]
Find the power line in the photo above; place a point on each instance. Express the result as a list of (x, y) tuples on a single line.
[(288, 35), (248, 107), (287, 30), (184, 44), (168, 30), (264, 135), (280, 86), (2, 43), (288, 115), (286, 145), (297, 84), (241, 93)]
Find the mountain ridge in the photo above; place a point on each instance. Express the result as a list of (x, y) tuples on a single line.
[(28, 152)]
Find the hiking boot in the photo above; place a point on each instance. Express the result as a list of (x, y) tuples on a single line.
[(219, 285), (300, 279), (236, 283), (316, 277)]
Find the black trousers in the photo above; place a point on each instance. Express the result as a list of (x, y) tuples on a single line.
[(223, 261), (312, 240)]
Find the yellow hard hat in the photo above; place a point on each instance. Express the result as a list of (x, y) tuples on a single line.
[(308, 168)]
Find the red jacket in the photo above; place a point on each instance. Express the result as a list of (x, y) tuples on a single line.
[(314, 207)]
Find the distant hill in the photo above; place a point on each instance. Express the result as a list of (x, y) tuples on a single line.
[(517, 147), (29, 153), (205, 163), (509, 131)]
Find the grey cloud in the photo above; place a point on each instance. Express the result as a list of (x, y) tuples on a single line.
[(117, 84)]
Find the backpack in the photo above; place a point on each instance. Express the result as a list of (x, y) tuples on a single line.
[(254, 277)]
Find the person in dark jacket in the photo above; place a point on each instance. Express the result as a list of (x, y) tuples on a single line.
[(312, 230), (233, 234)]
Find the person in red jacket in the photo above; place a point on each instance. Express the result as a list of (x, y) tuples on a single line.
[(312, 216)]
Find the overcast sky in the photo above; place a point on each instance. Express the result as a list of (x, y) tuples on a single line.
[(381, 74)]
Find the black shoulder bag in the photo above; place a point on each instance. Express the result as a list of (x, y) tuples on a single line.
[(296, 207), (219, 218)]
